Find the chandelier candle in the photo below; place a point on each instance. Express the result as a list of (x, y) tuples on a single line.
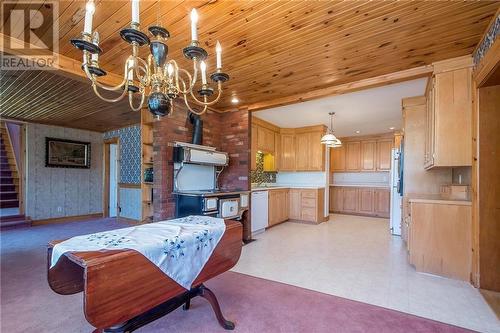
[(218, 52), (194, 21), (203, 68), (89, 14), (135, 11)]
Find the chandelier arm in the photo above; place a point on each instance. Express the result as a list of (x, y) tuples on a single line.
[(92, 78), (145, 79), (110, 100), (191, 85), (187, 103), (131, 102)]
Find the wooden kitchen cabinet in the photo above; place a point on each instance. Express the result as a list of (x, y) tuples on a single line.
[(384, 155), (449, 117), (353, 156), (381, 202), (366, 200), (287, 155), (337, 159), (307, 205), (368, 149), (350, 200), (439, 240), (302, 151), (265, 140), (278, 206)]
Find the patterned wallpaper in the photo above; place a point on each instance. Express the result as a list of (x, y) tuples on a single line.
[(487, 41), (130, 153)]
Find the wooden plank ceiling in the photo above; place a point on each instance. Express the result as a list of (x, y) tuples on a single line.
[(278, 49)]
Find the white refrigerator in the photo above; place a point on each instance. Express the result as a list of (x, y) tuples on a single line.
[(396, 199)]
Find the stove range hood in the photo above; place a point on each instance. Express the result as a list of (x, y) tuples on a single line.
[(187, 153)]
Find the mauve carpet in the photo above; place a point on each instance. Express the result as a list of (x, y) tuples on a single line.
[(254, 304)]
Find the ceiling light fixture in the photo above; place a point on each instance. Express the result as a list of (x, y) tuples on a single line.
[(329, 138), (235, 100), (357, 132), (158, 77), (391, 128)]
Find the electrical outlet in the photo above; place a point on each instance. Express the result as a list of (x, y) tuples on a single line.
[(59, 209)]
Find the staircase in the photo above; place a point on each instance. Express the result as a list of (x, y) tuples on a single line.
[(9, 183)]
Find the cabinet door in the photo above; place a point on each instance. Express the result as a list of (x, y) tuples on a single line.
[(381, 200), (273, 209), (295, 207), (285, 206), (368, 149), (316, 152), (384, 152), (269, 140), (253, 150), (366, 200), (350, 202), (277, 151), (336, 199), (287, 156), (302, 151), (337, 159), (353, 156), (261, 138)]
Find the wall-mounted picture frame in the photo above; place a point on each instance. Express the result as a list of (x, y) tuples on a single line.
[(61, 153)]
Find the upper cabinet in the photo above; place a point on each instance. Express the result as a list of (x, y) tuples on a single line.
[(337, 159), (287, 155), (287, 149), (384, 154), (448, 115), (365, 154)]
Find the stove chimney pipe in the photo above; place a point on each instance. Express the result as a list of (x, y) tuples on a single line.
[(197, 123)]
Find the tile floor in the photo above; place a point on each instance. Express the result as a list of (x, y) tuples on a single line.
[(356, 258)]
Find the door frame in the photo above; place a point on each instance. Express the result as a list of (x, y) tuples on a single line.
[(106, 181)]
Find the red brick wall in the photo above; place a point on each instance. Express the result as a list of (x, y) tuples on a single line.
[(225, 131), (236, 142)]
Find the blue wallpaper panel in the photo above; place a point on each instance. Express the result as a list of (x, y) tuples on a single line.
[(130, 153), (487, 41)]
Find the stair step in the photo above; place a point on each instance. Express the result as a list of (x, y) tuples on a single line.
[(14, 221), (11, 195), (7, 187), (9, 203)]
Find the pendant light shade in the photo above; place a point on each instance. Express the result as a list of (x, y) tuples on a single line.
[(329, 138)]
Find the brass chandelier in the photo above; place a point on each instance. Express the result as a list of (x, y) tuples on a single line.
[(158, 78)]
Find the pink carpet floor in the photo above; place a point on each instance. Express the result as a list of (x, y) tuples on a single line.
[(255, 305)]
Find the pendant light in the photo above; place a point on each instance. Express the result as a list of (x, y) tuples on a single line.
[(329, 138)]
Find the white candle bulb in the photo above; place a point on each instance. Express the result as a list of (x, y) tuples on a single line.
[(95, 57), (194, 21), (203, 68), (170, 70), (218, 52), (135, 11), (89, 13), (130, 69)]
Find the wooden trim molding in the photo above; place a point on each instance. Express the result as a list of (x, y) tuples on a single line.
[(129, 185), (67, 219), (409, 74)]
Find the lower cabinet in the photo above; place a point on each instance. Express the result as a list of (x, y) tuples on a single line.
[(278, 206), (296, 204), (360, 201)]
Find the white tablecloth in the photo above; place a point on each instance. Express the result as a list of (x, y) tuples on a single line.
[(179, 247)]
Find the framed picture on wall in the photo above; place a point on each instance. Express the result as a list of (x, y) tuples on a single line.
[(60, 153)]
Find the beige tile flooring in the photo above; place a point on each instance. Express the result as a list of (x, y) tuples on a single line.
[(356, 258)]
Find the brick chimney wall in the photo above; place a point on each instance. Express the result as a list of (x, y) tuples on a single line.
[(226, 131)]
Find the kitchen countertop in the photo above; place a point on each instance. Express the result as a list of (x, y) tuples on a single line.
[(387, 186), (441, 201)]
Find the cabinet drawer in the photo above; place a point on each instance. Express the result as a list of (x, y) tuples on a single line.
[(308, 193), (308, 202), (308, 214)]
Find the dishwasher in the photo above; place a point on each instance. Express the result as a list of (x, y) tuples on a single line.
[(259, 211)]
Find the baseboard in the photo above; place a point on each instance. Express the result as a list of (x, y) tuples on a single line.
[(66, 219)]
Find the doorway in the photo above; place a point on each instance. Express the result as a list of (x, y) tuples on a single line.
[(111, 175)]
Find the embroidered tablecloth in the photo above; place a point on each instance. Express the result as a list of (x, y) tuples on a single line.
[(179, 247)]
